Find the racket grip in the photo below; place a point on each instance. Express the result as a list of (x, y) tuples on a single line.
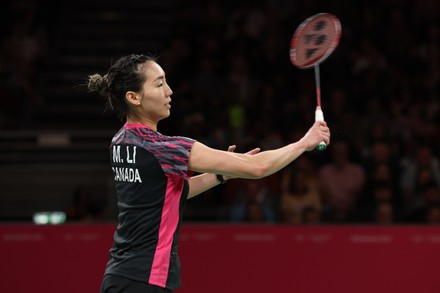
[(319, 116)]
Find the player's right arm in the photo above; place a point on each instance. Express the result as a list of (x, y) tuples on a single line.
[(208, 160)]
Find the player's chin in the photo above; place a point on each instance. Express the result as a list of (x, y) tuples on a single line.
[(167, 113)]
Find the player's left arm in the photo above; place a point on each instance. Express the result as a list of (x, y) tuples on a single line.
[(203, 182)]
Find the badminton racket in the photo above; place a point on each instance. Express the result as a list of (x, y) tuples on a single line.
[(313, 41)]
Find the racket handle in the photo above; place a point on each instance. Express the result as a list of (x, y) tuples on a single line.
[(319, 116)]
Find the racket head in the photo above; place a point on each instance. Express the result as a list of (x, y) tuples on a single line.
[(314, 40)]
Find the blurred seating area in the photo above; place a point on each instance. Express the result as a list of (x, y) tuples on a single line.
[(228, 65)]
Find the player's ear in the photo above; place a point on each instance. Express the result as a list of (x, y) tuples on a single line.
[(133, 98)]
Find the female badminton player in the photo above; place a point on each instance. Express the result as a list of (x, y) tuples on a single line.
[(153, 174)]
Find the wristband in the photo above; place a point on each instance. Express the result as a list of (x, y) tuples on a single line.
[(220, 179)]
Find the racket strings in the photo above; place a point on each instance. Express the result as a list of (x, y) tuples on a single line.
[(314, 40)]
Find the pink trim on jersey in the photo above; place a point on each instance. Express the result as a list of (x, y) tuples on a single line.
[(168, 225), (135, 125)]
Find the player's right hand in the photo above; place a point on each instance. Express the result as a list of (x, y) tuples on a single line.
[(316, 134)]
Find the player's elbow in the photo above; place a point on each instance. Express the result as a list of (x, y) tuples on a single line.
[(258, 171)]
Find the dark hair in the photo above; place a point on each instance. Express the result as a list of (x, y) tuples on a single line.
[(124, 75)]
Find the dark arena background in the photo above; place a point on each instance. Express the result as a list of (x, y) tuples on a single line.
[(361, 216)]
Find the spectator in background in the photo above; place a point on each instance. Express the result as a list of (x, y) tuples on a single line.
[(384, 214), (428, 199), (300, 197), (381, 164), (432, 216), (379, 198), (341, 182), (418, 170), (254, 203), (312, 216), (382, 179)]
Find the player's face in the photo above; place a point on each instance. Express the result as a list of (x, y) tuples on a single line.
[(156, 95)]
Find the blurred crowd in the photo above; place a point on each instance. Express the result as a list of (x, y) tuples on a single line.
[(228, 65)]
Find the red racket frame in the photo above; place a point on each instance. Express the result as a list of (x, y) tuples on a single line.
[(299, 31)]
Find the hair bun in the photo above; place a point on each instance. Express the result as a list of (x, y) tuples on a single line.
[(98, 83)]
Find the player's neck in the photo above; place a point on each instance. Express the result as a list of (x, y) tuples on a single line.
[(147, 122)]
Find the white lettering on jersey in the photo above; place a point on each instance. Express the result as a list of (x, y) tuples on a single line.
[(126, 174), (133, 158), (117, 154)]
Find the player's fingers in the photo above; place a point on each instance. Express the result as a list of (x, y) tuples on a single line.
[(321, 123), (326, 136), (254, 151), (232, 148)]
